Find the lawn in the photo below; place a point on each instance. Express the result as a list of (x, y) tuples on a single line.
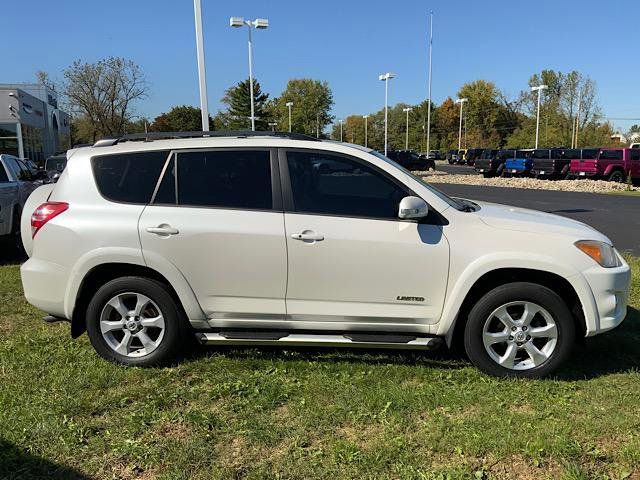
[(295, 414)]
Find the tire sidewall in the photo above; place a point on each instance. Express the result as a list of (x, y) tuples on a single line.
[(174, 323), (520, 291)]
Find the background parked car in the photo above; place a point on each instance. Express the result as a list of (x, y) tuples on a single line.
[(15, 187), (462, 156), (54, 165), (472, 155), (517, 162), (614, 164), (410, 160), (488, 165), (452, 156)]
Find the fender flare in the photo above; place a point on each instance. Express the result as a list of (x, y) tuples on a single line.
[(457, 293), (133, 256)]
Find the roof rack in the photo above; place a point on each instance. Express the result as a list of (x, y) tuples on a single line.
[(151, 136)]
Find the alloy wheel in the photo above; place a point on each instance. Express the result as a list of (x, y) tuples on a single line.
[(132, 324), (520, 335)]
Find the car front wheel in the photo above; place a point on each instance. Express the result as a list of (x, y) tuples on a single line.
[(519, 330), (135, 321)]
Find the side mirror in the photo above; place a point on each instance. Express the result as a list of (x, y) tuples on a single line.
[(55, 178), (412, 207)]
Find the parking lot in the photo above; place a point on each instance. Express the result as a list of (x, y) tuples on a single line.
[(614, 215)]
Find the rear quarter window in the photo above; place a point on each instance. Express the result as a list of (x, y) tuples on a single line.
[(128, 177)]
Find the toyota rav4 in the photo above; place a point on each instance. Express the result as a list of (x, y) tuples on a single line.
[(148, 242)]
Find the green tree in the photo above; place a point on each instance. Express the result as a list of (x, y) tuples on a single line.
[(311, 111), (183, 118), (237, 116)]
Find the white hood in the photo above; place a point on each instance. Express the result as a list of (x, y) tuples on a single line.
[(525, 220)]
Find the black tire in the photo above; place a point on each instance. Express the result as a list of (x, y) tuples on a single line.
[(487, 175), (512, 292), (499, 170), (616, 176), (177, 331), (16, 234), (564, 174)]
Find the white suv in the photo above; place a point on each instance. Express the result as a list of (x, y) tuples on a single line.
[(280, 239)]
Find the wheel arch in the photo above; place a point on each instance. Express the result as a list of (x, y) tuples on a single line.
[(105, 272), (500, 276)]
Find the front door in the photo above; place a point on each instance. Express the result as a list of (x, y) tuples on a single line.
[(217, 217), (350, 258)]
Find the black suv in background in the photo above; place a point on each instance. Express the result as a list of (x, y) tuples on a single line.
[(410, 160), (473, 154), (553, 162), (488, 164)]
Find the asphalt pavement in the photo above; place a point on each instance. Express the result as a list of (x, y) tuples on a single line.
[(617, 216)]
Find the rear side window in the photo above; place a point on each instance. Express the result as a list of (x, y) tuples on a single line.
[(225, 179), (589, 153), (128, 177), (541, 154), (611, 154), (634, 154)]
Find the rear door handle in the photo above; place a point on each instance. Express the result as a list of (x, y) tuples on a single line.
[(308, 236), (163, 230)]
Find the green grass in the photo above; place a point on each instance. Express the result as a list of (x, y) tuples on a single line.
[(295, 414), (629, 193)]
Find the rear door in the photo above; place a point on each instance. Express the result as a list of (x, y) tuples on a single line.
[(217, 216)]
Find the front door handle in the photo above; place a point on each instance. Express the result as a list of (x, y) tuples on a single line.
[(308, 236), (163, 230)]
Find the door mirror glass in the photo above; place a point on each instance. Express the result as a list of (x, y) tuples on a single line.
[(412, 207)]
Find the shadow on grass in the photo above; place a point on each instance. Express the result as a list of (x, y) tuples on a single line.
[(613, 352), (8, 254), (16, 464), (617, 351)]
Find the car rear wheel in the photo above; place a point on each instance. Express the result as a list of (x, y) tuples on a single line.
[(519, 330), (135, 321), (616, 176)]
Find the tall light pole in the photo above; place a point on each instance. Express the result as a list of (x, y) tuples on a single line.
[(461, 102), (406, 134), (202, 76), (385, 77), (289, 105), (578, 117), (539, 88), (258, 23), (429, 106), (341, 122), (366, 117), (273, 126)]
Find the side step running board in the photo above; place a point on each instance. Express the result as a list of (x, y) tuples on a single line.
[(308, 340)]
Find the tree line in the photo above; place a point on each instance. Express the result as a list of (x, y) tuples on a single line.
[(491, 120), (102, 97)]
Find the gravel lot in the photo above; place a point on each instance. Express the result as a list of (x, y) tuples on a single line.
[(578, 185)]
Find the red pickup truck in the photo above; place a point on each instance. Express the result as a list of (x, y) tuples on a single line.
[(614, 164)]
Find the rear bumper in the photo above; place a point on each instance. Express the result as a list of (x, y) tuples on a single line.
[(44, 285)]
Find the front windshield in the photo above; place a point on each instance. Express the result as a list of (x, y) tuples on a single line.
[(457, 204)]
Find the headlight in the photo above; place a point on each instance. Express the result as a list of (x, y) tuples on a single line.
[(603, 253)]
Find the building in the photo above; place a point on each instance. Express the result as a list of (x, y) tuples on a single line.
[(31, 124)]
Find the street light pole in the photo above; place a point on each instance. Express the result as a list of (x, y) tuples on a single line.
[(261, 23), (385, 77), (406, 135), (578, 117), (461, 102), (341, 121), (539, 88), (289, 104), (429, 106), (366, 117), (202, 76)]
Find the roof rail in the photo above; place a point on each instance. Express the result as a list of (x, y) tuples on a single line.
[(149, 137)]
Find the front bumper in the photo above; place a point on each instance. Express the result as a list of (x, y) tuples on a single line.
[(610, 289)]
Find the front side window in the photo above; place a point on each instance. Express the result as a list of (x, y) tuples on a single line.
[(224, 179), (128, 177), (327, 184), (610, 155)]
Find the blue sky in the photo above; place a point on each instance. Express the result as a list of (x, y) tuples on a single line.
[(347, 43)]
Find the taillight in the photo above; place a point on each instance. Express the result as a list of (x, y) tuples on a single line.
[(44, 213)]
